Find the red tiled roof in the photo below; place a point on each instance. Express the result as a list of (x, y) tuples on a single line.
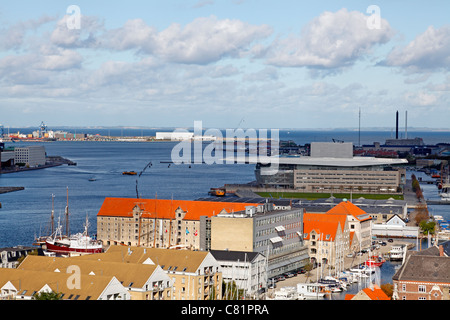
[(348, 208), (165, 209), (322, 223), (376, 293)]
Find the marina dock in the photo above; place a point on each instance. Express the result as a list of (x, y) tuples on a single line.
[(348, 264)]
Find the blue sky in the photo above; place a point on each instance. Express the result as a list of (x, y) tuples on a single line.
[(271, 64)]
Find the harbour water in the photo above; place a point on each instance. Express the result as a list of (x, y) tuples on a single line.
[(26, 214)]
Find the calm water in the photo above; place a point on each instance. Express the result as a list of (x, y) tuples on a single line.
[(26, 213)]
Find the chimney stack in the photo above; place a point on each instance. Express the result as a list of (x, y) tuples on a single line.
[(441, 250), (396, 126)]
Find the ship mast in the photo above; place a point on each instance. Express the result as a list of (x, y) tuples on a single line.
[(52, 218), (67, 213)]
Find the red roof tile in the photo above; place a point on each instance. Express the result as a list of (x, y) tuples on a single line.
[(348, 208), (165, 209)]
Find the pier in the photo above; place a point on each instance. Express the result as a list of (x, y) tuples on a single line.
[(10, 189)]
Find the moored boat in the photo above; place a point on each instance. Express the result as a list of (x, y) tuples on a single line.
[(375, 261), (311, 290), (77, 243), (129, 173)]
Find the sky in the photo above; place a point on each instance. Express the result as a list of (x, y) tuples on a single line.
[(228, 63)]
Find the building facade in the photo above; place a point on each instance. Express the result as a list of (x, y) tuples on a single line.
[(424, 275), (331, 168), (274, 231), (32, 156), (157, 223), (358, 220), (248, 270), (328, 238), (195, 275)]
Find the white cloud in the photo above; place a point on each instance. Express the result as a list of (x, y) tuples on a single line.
[(332, 40), (12, 37), (428, 51), (86, 36), (203, 41), (420, 99)]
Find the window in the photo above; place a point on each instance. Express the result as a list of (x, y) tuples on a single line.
[(403, 287), (422, 288)]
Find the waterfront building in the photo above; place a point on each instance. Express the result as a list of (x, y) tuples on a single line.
[(195, 275), (248, 270), (274, 231), (332, 168), (143, 281), (19, 284), (31, 156), (380, 210), (157, 223), (11, 257), (424, 275), (359, 222), (395, 227), (328, 238)]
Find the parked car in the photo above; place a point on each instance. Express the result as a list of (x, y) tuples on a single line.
[(288, 274), (390, 240), (350, 255)]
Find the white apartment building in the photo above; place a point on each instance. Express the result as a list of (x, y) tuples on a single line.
[(32, 156)]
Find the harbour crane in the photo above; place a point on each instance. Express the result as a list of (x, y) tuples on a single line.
[(42, 129)]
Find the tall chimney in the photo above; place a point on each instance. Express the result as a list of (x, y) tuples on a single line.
[(441, 250), (396, 126), (406, 124)]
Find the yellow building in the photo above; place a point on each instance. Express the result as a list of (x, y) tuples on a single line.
[(143, 281), (195, 275)]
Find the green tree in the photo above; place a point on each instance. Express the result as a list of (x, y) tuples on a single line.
[(231, 292), (427, 227), (47, 296)]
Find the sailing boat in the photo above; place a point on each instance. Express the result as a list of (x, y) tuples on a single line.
[(79, 242), (57, 242)]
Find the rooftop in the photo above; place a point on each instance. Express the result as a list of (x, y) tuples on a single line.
[(348, 208), (426, 265), (165, 209), (322, 161)]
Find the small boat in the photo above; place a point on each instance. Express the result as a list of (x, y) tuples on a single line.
[(218, 192), (363, 269), (445, 192), (287, 293), (92, 179), (311, 290), (375, 261), (397, 252), (129, 173)]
